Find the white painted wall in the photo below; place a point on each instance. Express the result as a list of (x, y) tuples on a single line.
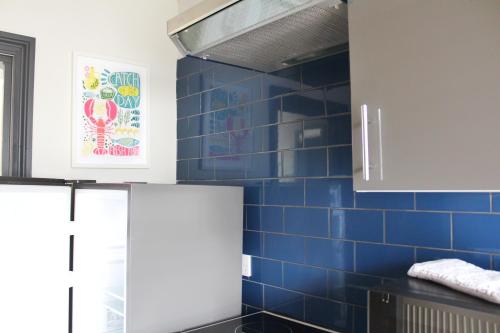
[(124, 29), (185, 4)]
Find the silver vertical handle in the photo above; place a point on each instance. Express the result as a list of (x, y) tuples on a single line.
[(380, 155), (364, 142)]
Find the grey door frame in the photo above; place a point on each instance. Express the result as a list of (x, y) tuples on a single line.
[(18, 120)]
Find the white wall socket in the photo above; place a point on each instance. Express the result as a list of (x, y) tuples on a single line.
[(246, 265)]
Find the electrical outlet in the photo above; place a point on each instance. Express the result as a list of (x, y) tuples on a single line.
[(246, 265)]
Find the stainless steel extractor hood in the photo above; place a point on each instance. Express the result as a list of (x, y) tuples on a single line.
[(266, 35)]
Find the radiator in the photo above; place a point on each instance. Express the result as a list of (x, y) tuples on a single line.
[(413, 306)]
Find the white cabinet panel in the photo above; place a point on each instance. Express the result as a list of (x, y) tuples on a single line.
[(433, 70), (34, 278)]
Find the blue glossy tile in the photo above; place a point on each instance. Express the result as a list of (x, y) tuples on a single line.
[(230, 167), (284, 192), (215, 145), (272, 219), (248, 310), (182, 170), (188, 106), (252, 293), (224, 74), (495, 202), (256, 270), (232, 119), (386, 200), (182, 88), (284, 302), (328, 253), (338, 99), (383, 260), (215, 99), (304, 163), (281, 82), (360, 225), (271, 272), (207, 64), (201, 169), (476, 232), (360, 320), (244, 91), (243, 142), (200, 125), (481, 260), (419, 229), (266, 112), (188, 148), (290, 135), (325, 71), (339, 130), (306, 221), (340, 161), (263, 165), (329, 192), (303, 105), (252, 243), (194, 83), (253, 192), (345, 287), (282, 247), (268, 137), (496, 263), (253, 217), (306, 279), (187, 65), (316, 132), (473, 202), (330, 314), (182, 128)]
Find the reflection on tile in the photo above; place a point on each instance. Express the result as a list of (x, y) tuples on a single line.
[(328, 253), (329, 192), (332, 315), (339, 130), (338, 99), (188, 106), (187, 65), (284, 191), (232, 119), (284, 302), (266, 112), (215, 145), (281, 82), (342, 287), (200, 125), (201, 169), (244, 92), (316, 132), (243, 142), (188, 148), (268, 137), (290, 135), (361, 225), (340, 161), (304, 279), (325, 71), (304, 163), (263, 165), (223, 74), (230, 167), (303, 105), (214, 100)]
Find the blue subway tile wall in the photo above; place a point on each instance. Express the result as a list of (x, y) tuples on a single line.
[(317, 246)]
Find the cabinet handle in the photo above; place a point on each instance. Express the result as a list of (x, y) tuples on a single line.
[(364, 142), (380, 156)]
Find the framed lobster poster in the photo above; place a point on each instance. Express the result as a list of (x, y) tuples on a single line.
[(110, 114)]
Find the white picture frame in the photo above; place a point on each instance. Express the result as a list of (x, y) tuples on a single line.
[(110, 116)]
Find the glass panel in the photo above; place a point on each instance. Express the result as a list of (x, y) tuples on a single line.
[(2, 75), (34, 255), (100, 261)]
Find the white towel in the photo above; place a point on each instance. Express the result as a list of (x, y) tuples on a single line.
[(462, 276)]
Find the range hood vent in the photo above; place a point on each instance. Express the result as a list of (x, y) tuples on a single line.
[(265, 35)]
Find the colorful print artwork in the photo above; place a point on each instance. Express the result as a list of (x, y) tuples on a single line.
[(110, 114)]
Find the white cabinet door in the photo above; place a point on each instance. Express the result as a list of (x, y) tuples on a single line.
[(34, 243), (433, 70)]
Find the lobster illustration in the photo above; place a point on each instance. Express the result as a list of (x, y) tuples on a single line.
[(101, 123)]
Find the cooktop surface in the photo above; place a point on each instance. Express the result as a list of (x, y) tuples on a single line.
[(258, 323)]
